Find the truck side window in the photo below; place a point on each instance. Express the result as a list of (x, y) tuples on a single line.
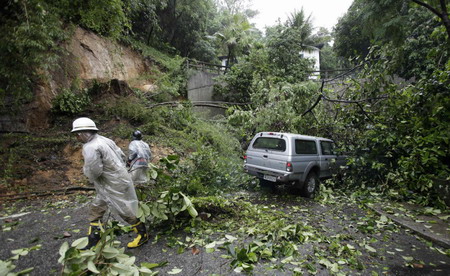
[(327, 148), (305, 147), (270, 144)]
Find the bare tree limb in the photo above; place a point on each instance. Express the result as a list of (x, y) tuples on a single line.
[(355, 101), (322, 96), (365, 113), (218, 104), (317, 101), (427, 6), (443, 15), (314, 105), (68, 190)]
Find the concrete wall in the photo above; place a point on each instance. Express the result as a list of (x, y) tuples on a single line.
[(201, 88)]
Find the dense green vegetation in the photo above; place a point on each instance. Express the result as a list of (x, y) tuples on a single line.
[(402, 141), (397, 105)]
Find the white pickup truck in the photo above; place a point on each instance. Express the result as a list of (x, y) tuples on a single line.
[(286, 158)]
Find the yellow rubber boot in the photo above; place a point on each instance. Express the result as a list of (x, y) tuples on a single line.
[(142, 236)]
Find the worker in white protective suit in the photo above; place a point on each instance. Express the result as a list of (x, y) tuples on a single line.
[(138, 158), (104, 165)]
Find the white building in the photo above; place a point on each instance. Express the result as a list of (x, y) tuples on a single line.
[(313, 53)]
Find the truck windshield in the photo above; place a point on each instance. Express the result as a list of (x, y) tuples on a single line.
[(270, 143)]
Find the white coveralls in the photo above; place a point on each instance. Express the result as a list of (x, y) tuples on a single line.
[(104, 165), (139, 157)]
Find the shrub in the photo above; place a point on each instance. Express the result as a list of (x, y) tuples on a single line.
[(70, 103)]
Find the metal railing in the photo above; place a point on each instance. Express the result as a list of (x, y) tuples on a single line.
[(206, 67)]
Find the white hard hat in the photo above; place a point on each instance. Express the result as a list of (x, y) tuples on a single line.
[(83, 124)]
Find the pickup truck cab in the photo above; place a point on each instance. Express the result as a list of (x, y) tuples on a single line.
[(287, 158)]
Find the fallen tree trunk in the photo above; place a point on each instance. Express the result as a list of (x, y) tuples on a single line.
[(64, 191)]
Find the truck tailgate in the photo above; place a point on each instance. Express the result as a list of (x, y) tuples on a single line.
[(268, 160)]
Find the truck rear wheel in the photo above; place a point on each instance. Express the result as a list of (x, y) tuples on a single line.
[(311, 185)]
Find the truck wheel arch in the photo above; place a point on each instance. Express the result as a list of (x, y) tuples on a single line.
[(313, 168)]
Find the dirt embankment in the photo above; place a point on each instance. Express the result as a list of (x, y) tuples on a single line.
[(39, 154), (87, 58), (50, 169)]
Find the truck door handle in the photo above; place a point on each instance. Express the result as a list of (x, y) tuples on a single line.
[(265, 156)]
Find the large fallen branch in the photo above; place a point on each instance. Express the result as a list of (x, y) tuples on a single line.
[(218, 104), (322, 96), (64, 191)]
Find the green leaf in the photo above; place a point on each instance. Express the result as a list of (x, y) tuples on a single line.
[(242, 255), (121, 268), (188, 205), (146, 210), (287, 260), (80, 243), (230, 238), (20, 252), (92, 268), (87, 253), (175, 271), (311, 268), (210, 247), (126, 259), (26, 271), (154, 265), (370, 248), (140, 213), (407, 258), (153, 174), (110, 252), (64, 247), (6, 267), (252, 257)]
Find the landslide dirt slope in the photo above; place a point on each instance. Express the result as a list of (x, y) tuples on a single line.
[(37, 151), (47, 162)]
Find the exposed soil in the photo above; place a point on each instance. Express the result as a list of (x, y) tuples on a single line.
[(51, 161), (63, 172)]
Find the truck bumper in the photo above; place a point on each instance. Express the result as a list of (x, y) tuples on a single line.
[(280, 176)]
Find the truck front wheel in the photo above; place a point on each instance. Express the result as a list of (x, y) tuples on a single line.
[(311, 185)]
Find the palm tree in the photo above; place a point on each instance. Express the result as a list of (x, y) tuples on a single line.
[(286, 42), (235, 36), (302, 28)]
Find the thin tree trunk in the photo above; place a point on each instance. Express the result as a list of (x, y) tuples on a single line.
[(445, 18), (443, 15), (150, 32)]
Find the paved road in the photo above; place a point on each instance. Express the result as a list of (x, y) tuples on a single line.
[(386, 250)]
